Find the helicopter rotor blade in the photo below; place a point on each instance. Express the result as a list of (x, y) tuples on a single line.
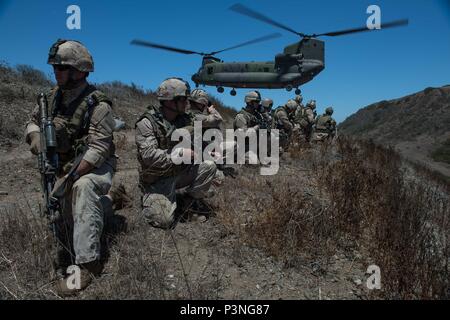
[(261, 39), (393, 24), (239, 8), (164, 47)]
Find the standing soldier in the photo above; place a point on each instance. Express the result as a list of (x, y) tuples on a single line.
[(84, 124), (325, 127), (168, 188), (282, 121)]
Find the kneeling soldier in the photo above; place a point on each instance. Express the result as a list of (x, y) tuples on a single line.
[(168, 188)]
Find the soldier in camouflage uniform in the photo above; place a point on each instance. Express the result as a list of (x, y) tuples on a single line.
[(168, 188), (325, 129), (282, 120), (299, 100), (266, 111), (84, 125), (203, 111), (305, 118), (249, 118)]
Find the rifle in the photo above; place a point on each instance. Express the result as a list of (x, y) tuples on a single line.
[(263, 121), (48, 163)]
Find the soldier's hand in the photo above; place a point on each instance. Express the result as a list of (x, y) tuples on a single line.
[(35, 143), (211, 109)]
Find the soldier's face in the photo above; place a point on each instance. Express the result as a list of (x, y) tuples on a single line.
[(181, 104), (62, 74)]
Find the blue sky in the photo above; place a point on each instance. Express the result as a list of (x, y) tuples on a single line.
[(360, 68)]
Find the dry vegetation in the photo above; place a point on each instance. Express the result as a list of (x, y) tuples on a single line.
[(329, 213), (353, 199)]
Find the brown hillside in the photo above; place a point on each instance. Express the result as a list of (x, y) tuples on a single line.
[(417, 125)]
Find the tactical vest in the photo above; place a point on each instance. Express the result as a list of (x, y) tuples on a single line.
[(78, 115), (301, 118), (276, 121), (163, 131), (324, 124), (163, 127), (250, 118)]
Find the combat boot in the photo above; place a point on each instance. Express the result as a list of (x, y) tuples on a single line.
[(70, 286)]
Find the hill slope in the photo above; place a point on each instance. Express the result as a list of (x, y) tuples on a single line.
[(309, 232), (417, 125)]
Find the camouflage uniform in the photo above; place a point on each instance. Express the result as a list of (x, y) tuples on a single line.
[(211, 119), (282, 121), (325, 127), (305, 117), (160, 179), (249, 118), (84, 123), (266, 111)]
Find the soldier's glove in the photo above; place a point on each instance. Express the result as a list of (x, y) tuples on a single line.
[(62, 134), (35, 142)]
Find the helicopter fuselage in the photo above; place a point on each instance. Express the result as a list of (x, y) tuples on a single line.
[(297, 65)]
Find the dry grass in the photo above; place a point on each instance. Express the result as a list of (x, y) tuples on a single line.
[(365, 200)]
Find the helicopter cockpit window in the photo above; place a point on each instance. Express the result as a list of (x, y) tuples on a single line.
[(210, 70)]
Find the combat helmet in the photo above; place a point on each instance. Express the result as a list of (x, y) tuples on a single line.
[(311, 104), (329, 111), (267, 103), (71, 53), (200, 96), (172, 88), (298, 99), (291, 105), (252, 96)]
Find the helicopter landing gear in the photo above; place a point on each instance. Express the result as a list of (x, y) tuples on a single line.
[(233, 92), (220, 90), (298, 91), (289, 88)]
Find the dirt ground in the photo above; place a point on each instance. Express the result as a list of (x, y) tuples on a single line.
[(196, 260)]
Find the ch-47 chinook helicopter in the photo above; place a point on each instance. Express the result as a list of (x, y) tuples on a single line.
[(299, 63)]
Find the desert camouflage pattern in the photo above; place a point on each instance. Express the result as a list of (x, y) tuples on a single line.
[(282, 122), (83, 214), (82, 211), (200, 96), (246, 119), (159, 199), (99, 138), (298, 99), (160, 178), (172, 88), (252, 96), (210, 119), (72, 53), (325, 128)]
